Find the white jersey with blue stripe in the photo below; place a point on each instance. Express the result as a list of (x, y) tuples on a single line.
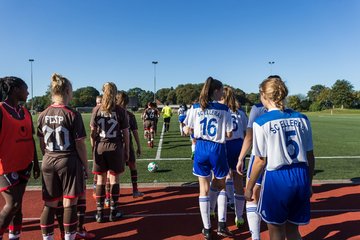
[(282, 137), (256, 111), (182, 111), (211, 123), (240, 122)]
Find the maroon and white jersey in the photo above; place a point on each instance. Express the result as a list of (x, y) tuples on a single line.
[(151, 114), (60, 126), (109, 125)]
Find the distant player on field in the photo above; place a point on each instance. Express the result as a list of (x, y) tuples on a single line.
[(283, 146), (167, 113), (150, 116), (211, 123), (182, 115)]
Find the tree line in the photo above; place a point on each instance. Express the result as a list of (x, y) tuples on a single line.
[(320, 97)]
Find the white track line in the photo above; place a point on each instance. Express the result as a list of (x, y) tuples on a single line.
[(158, 152), (197, 214)]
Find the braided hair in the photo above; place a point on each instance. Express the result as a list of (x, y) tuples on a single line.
[(7, 85), (275, 90)]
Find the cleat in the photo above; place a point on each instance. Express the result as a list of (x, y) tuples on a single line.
[(224, 232), (149, 144), (107, 203), (206, 233), (231, 207), (115, 215), (152, 144), (239, 222), (84, 235), (99, 217), (212, 215), (137, 194)]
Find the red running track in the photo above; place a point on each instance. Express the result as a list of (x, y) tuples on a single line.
[(173, 213)]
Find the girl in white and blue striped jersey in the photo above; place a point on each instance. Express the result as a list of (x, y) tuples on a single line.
[(211, 123), (283, 146)]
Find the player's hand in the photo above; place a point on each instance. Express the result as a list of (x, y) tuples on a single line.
[(240, 167), (36, 171), (248, 194), (138, 152)]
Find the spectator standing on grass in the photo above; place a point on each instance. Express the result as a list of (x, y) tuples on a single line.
[(122, 99), (283, 146), (235, 190), (211, 123), (62, 141), (110, 142), (253, 218), (17, 153), (167, 113)]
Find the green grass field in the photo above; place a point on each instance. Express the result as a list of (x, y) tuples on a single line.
[(336, 146)]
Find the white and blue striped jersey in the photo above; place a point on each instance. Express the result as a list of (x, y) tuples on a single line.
[(282, 137), (211, 123), (182, 111), (240, 122), (256, 111)]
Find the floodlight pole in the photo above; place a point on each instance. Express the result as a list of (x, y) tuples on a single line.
[(154, 62), (32, 85), (271, 63)]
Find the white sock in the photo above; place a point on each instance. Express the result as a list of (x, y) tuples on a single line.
[(230, 190), (204, 204), (213, 196), (239, 205), (13, 236), (48, 237), (222, 209), (254, 220), (70, 236)]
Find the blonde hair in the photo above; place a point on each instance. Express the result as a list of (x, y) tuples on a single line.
[(207, 91), (109, 97), (275, 90), (229, 99), (60, 85)]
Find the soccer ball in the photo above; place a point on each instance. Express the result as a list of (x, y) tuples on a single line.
[(152, 167)]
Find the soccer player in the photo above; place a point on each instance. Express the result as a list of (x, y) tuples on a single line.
[(233, 147), (149, 116), (211, 123), (17, 153), (122, 100), (62, 141), (167, 113), (182, 115), (110, 141), (283, 146), (253, 218)]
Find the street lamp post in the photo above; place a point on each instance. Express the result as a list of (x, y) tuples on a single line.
[(155, 62), (32, 85), (271, 63)]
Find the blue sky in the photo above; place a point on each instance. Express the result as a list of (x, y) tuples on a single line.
[(92, 42)]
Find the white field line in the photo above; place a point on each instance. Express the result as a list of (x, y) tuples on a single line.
[(196, 214), (158, 152), (167, 159)]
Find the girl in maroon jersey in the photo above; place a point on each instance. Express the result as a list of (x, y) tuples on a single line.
[(16, 133), (62, 140), (110, 141)]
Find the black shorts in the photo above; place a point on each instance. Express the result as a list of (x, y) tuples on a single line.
[(167, 120), (8, 180), (108, 156)]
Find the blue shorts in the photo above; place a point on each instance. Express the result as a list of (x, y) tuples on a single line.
[(293, 204), (251, 162), (210, 156), (233, 148), (182, 118)]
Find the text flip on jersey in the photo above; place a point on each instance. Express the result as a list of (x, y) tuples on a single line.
[(282, 137), (211, 123)]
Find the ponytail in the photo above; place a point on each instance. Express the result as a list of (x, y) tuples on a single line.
[(207, 91)]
